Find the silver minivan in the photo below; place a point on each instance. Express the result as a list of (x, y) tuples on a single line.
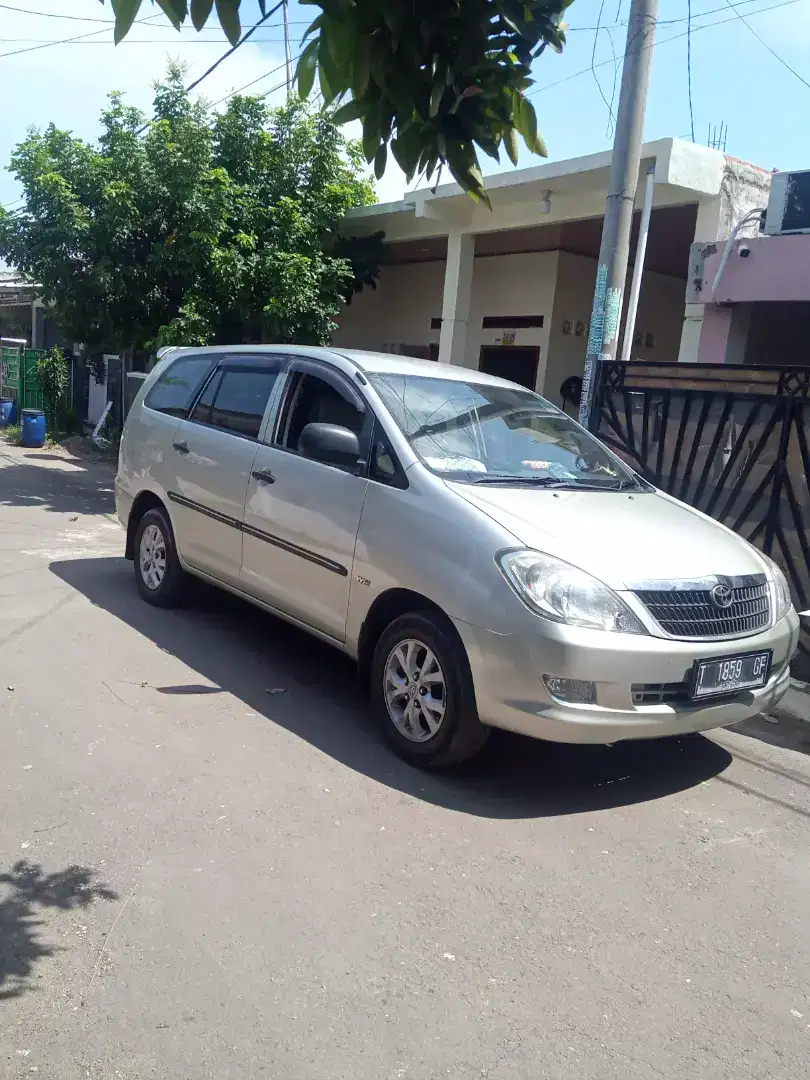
[(486, 561)]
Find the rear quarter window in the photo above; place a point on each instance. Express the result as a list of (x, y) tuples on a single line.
[(178, 386)]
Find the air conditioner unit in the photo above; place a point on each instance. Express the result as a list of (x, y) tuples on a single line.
[(789, 204)]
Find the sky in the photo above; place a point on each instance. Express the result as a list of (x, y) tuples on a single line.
[(735, 79)]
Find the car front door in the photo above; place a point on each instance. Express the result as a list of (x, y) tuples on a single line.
[(214, 451), (302, 516)]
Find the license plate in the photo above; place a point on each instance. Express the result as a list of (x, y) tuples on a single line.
[(730, 673)]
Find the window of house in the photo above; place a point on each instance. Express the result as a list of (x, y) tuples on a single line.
[(177, 387)]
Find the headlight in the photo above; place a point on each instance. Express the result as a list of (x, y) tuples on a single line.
[(566, 594), (781, 591)]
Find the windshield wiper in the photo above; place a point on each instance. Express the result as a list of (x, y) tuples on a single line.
[(536, 481), (571, 484)]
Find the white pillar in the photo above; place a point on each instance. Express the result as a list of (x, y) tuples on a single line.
[(458, 277)]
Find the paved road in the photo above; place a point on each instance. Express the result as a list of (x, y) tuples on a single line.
[(211, 867)]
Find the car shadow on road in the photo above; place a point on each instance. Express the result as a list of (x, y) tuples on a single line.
[(303, 685), (80, 488), (28, 892)]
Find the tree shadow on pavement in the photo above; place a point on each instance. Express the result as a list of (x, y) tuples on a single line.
[(80, 488), (250, 654), (29, 890)]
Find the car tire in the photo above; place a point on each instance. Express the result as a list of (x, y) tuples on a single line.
[(160, 578), (436, 724)]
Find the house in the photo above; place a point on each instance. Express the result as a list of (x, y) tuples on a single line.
[(509, 291), (23, 315)]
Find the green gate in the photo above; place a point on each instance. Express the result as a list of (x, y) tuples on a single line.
[(19, 377)]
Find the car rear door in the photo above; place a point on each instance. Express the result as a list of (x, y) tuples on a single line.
[(213, 455)]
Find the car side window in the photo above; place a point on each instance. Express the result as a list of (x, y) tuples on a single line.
[(384, 467), (316, 400), (179, 384), (236, 397)]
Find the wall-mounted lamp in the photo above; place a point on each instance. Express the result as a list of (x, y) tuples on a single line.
[(545, 202)]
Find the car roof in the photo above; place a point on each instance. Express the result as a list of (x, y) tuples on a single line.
[(373, 363)]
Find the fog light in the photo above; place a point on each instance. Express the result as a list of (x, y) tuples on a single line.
[(573, 691)]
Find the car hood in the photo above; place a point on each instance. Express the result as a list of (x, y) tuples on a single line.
[(621, 538)]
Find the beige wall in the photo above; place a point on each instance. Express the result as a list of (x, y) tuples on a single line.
[(556, 285), (660, 313), (407, 297), (398, 312)]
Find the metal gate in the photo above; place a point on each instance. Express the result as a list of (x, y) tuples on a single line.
[(731, 441)]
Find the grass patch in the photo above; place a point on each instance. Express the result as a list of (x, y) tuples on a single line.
[(12, 434)]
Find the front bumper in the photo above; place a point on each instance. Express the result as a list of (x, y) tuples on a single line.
[(507, 674)]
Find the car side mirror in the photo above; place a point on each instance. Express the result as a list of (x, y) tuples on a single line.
[(330, 444)]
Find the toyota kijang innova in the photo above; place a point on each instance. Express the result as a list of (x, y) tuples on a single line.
[(486, 560)]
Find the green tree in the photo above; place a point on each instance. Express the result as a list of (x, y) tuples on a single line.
[(190, 228), (431, 80)]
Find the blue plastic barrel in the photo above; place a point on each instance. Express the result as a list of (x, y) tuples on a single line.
[(8, 411), (33, 428)]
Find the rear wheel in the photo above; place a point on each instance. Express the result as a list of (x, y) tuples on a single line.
[(423, 693), (159, 576)]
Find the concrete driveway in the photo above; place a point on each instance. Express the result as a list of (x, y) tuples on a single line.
[(211, 867)]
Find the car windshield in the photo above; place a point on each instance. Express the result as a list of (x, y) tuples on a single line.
[(479, 433)]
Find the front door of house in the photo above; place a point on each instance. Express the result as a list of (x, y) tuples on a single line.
[(517, 363)]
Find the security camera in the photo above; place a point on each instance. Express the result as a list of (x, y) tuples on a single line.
[(744, 251)]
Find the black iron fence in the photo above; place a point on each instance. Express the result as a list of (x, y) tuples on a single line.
[(731, 441)]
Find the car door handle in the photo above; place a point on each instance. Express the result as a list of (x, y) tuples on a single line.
[(264, 476), (181, 447)]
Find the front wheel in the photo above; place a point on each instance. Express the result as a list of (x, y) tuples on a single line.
[(159, 576), (422, 692)]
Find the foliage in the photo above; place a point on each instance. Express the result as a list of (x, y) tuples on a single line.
[(430, 79), (53, 376), (12, 433), (191, 228)]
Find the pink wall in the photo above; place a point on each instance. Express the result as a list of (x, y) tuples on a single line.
[(778, 268)]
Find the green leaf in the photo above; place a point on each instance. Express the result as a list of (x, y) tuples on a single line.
[(352, 110), (436, 95), (512, 143), (175, 11), (125, 12), (200, 10), (406, 149), (528, 122), (380, 161), (360, 68), (228, 13), (329, 75), (371, 132), (305, 72)]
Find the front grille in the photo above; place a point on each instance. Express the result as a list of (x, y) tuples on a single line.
[(690, 612), (670, 693)]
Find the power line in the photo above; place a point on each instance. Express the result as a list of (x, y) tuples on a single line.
[(66, 41), (762, 41), (663, 41), (140, 41), (107, 22), (233, 48), (689, 65), (253, 82), (608, 105)]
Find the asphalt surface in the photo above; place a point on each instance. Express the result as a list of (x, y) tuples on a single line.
[(210, 866)]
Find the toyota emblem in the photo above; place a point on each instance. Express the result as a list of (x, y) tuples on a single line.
[(722, 597)]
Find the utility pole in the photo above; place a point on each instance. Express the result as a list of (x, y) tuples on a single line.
[(285, 8), (615, 247)]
